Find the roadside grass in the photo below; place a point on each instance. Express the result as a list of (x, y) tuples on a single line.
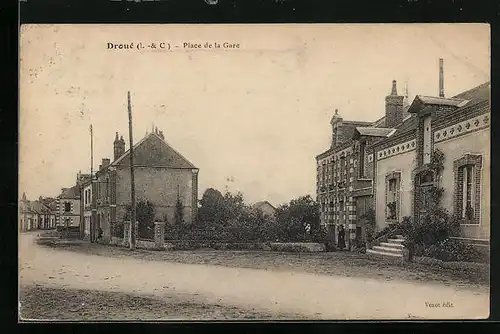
[(348, 264)]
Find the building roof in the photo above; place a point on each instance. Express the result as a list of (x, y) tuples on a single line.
[(481, 92), (152, 150), (421, 101), (460, 101), (263, 203), (375, 132), (73, 192), (35, 207), (379, 122)]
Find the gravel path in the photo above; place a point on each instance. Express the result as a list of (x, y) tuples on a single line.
[(273, 292)]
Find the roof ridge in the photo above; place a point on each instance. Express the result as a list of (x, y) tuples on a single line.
[(140, 142)]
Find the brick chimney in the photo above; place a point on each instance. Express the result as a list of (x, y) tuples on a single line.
[(393, 108), (118, 147), (441, 78), (336, 123), (105, 162)]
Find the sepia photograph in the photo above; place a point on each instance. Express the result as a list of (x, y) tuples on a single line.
[(182, 172)]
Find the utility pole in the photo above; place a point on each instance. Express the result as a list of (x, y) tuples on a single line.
[(93, 188), (132, 182)]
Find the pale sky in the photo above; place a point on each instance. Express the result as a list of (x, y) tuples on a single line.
[(259, 114)]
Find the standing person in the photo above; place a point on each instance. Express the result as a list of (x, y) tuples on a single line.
[(341, 240)]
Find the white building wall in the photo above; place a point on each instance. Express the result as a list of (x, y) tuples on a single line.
[(477, 142), (404, 163)]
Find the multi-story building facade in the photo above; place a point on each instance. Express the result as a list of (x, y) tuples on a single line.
[(384, 165), (162, 176), (68, 208), (345, 170), (86, 208)]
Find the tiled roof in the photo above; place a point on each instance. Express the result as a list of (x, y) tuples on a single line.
[(73, 192), (481, 92), (152, 150)]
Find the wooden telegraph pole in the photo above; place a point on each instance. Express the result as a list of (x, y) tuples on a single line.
[(132, 182), (93, 189)]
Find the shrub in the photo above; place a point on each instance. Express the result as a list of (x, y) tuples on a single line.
[(453, 250), (145, 214), (368, 219)]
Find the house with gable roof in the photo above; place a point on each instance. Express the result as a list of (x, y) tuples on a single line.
[(266, 208), (162, 176)]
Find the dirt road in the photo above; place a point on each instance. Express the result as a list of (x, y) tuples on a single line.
[(325, 297)]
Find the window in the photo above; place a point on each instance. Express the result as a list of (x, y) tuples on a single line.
[(107, 187), (427, 140), (468, 188), (361, 163), (392, 196), (467, 200), (342, 168), (67, 207)]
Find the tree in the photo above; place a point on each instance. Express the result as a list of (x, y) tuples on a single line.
[(294, 217), (211, 206), (179, 212), (145, 214), (436, 224)]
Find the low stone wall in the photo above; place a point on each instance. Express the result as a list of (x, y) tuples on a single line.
[(307, 247), (159, 243), (145, 244)]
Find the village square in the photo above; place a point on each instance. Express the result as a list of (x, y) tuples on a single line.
[(398, 224)]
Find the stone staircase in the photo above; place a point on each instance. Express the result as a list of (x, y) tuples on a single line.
[(391, 250)]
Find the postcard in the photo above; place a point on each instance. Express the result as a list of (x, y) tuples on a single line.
[(254, 172)]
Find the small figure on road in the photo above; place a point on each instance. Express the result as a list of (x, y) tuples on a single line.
[(99, 236), (341, 240)]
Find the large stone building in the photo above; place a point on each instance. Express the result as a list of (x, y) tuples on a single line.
[(162, 176), (384, 165)]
